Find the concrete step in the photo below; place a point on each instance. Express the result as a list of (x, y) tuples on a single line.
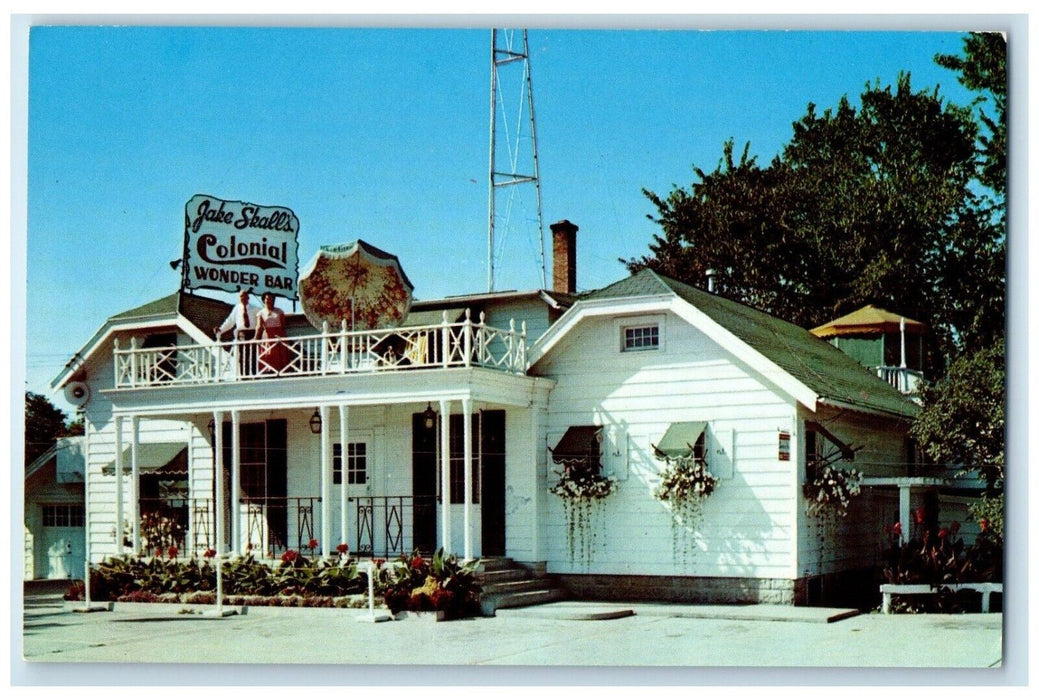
[(515, 586), (488, 578), (494, 564), (493, 602)]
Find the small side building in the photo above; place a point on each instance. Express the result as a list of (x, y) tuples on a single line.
[(54, 513)]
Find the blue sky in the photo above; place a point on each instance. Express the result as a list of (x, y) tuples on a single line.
[(382, 134)]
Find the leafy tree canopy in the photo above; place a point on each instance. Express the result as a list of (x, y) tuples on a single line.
[(983, 68), (963, 418), (878, 203), (44, 424)]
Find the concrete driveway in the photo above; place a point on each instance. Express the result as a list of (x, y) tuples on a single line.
[(558, 643)]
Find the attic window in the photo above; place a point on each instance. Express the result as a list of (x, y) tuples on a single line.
[(641, 337)]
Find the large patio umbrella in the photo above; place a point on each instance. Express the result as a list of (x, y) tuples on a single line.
[(869, 320), (357, 283)]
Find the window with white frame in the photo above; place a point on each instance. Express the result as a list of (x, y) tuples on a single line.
[(63, 515), (356, 463), (640, 337)]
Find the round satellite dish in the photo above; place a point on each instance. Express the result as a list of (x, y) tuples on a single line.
[(77, 393), (355, 283)]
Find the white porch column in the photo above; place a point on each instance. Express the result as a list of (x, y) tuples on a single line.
[(236, 481), (135, 481), (119, 485), (904, 494), (218, 481), (467, 465), (445, 475), (538, 466), (326, 479), (344, 460)]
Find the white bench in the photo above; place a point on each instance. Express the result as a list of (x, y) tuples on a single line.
[(986, 590)]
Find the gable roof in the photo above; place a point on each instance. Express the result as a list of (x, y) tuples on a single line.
[(831, 375), (200, 313)]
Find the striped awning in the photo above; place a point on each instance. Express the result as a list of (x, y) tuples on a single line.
[(159, 458), (679, 439), (579, 445)]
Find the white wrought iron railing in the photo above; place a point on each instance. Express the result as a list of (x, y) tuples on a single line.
[(908, 381), (331, 352)]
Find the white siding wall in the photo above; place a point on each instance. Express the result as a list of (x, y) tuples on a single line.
[(532, 312), (521, 484), (748, 525)]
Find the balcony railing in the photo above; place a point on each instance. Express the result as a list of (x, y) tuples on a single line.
[(908, 381), (342, 352)]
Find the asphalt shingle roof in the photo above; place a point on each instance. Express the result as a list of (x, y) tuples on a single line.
[(204, 313), (824, 369)]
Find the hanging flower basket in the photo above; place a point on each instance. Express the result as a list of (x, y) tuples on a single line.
[(581, 484), (685, 479), (684, 485), (831, 492), (581, 490)]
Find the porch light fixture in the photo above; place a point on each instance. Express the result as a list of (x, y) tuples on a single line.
[(429, 416), (315, 422)]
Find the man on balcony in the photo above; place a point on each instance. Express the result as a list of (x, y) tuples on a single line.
[(242, 320)]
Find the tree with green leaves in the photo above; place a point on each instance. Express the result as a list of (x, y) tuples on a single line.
[(963, 417), (876, 203), (44, 424)]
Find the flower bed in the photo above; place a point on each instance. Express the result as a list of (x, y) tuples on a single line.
[(937, 562), (411, 583), (440, 584)]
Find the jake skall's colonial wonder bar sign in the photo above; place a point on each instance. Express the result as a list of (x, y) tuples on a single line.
[(238, 245)]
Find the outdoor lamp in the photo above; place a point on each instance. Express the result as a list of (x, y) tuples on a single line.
[(315, 422), (429, 416)]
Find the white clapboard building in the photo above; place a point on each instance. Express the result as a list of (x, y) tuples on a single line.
[(446, 431)]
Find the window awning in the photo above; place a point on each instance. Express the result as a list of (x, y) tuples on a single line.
[(679, 439), (846, 450), (579, 445), (160, 458)]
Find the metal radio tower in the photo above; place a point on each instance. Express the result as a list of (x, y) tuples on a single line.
[(506, 168)]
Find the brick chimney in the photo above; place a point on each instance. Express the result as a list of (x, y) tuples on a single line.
[(564, 257)]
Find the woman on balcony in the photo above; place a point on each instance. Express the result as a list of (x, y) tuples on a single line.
[(270, 326)]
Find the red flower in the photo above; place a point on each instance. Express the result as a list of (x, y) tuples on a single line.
[(919, 515), (312, 544), (158, 551), (943, 533), (984, 524), (249, 547), (342, 548), (897, 528), (417, 563), (209, 553), (379, 563), (289, 556), (172, 552)]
